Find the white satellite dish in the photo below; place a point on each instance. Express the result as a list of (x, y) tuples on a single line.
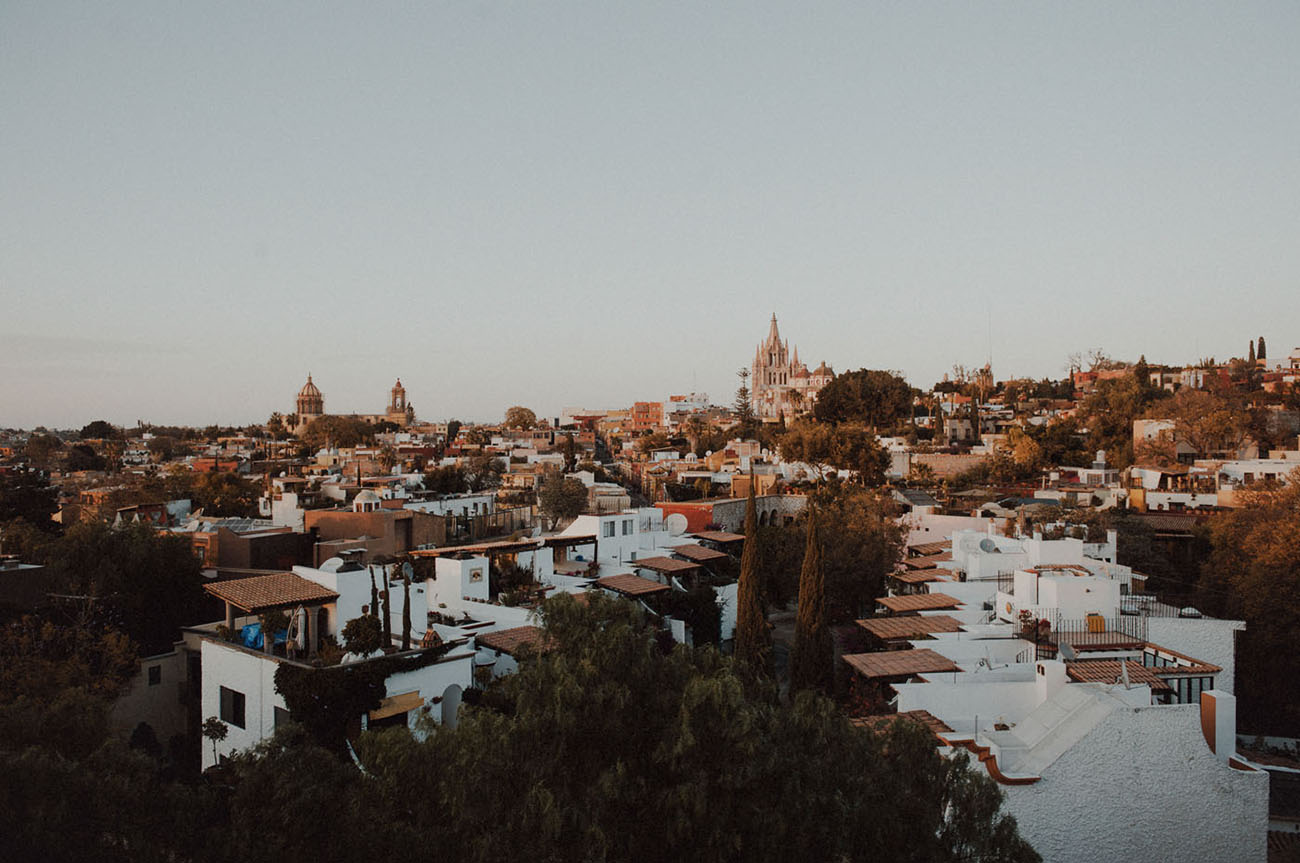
[(675, 524), (988, 545)]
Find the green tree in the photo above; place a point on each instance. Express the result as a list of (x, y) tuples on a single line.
[(569, 449), (877, 399), (225, 493), (561, 497), (216, 731), (567, 756), (99, 430), (744, 406), (753, 646), (483, 470), (27, 495), (861, 543), (1253, 574), (1108, 414), (337, 431), (447, 479), (520, 417), (812, 654), (41, 450), (363, 635), (161, 447), (145, 583), (1210, 424), (83, 457)]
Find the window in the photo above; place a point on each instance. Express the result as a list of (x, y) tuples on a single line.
[(627, 527), (155, 675), (607, 530), (232, 707), (282, 718)]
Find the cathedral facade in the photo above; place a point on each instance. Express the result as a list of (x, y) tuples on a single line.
[(781, 387), (310, 405)]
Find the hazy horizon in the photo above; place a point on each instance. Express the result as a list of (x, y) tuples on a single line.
[(588, 205)]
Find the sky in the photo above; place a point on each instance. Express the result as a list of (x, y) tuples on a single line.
[(588, 204)]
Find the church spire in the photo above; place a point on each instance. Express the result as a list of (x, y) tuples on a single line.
[(773, 336)]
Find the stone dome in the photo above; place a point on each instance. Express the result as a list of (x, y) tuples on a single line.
[(309, 390)]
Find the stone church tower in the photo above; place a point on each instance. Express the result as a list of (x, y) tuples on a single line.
[(781, 386), (399, 411)]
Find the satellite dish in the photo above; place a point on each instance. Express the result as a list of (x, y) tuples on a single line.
[(675, 524), (988, 545)]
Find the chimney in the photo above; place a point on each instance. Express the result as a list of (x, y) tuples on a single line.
[(1099, 463), (1219, 722), (1049, 677)]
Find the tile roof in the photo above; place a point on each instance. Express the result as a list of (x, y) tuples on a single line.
[(918, 602), (264, 592), (699, 553), (718, 536), (927, 562), (928, 549), (909, 626), (921, 576), (1108, 671), (511, 641), (664, 564), (880, 722), (631, 585), (899, 663)]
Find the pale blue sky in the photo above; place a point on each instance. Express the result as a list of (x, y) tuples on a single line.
[(592, 203)]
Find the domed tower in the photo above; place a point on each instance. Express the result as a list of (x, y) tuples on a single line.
[(310, 404)]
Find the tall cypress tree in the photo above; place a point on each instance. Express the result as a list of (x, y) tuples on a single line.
[(406, 614), (388, 612), (753, 639), (374, 593), (1261, 353), (1250, 357), (812, 655)]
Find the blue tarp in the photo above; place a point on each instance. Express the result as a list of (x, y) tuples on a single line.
[(251, 635)]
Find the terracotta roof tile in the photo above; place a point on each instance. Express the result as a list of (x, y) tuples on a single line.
[(899, 663), (1108, 671), (921, 576), (929, 561), (264, 592), (878, 723), (664, 564), (929, 549), (918, 602), (909, 626), (631, 585), (699, 553), (718, 536), (512, 641)]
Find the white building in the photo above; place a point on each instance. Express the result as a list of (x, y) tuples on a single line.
[(238, 675), (1108, 718)]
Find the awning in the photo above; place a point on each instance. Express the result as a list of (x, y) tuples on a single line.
[(395, 704)]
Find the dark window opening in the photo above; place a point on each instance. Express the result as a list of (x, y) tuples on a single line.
[(232, 707)]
